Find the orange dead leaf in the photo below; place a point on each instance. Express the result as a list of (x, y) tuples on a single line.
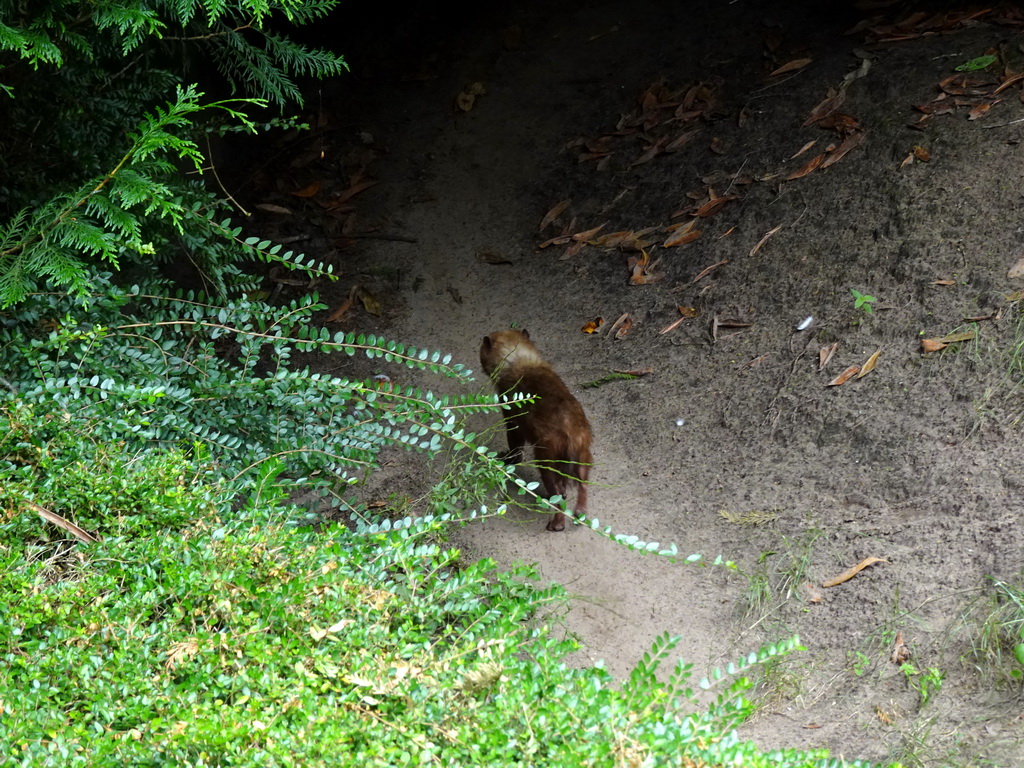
[(1010, 80), (944, 282), (614, 239), (768, 236), (922, 154), (932, 345), (688, 313), (727, 232), (355, 189), (908, 160), (553, 214), (643, 269), (869, 366), (708, 270), (583, 237), (593, 326), (638, 372), (832, 101), (979, 111), (850, 142), (560, 240), (621, 326), (672, 326), (804, 148), (844, 377), (825, 355), (807, 167), (651, 152), (849, 573), (572, 250), (791, 66), (840, 123), (683, 234), (309, 191), (713, 206)]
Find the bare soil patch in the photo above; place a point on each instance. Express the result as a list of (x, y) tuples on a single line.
[(733, 444)]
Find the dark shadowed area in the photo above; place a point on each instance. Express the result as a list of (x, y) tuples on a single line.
[(427, 179)]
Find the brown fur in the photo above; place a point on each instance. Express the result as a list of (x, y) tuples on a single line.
[(554, 424)]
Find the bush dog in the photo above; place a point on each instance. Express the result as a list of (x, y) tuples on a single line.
[(554, 423)]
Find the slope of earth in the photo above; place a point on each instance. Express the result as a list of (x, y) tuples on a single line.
[(898, 225)]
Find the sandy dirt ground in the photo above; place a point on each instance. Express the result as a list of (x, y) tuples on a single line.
[(666, 116)]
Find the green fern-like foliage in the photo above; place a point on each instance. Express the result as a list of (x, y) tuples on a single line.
[(144, 369)]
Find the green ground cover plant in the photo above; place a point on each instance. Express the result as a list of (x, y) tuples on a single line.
[(166, 602)]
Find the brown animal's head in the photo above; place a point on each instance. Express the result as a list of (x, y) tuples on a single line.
[(503, 349)]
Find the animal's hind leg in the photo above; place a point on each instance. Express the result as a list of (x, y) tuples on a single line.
[(555, 485)]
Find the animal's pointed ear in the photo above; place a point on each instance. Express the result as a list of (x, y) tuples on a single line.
[(487, 342), (525, 332)]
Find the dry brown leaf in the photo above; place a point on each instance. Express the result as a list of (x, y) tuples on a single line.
[(683, 234), (768, 236), (342, 310), (884, 716), (717, 146), (869, 366), (271, 208), (944, 282), (61, 522), (688, 313), (807, 167), (708, 270), (841, 123), (553, 214), (851, 142), (844, 377), (672, 326), (849, 573), (583, 237), (560, 240), (680, 141), (932, 345), (908, 160), (593, 326), (572, 250), (727, 232), (621, 326), (713, 206), (979, 111), (804, 148), (832, 101), (614, 239), (352, 191), (922, 154), (643, 269), (825, 355), (651, 152), (638, 372), (308, 191), (791, 66)]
